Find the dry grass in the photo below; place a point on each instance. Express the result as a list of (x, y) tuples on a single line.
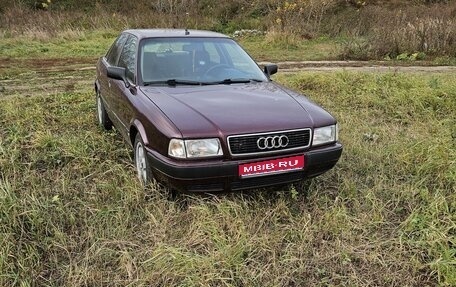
[(20, 20), (372, 31), (73, 214), (431, 31), (303, 18), (392, 32), (284, 40)]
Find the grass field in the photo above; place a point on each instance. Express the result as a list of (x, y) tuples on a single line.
[(83, 44), (73, 214)]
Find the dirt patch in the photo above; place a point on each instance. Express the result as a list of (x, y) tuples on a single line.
[(31, 78), (372, 69), (361, 66), (43, 64), (43, 76)]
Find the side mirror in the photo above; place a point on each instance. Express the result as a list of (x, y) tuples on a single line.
[(270, 69), (118, 73)]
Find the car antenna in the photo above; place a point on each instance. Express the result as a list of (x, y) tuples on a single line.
[(186, 24)]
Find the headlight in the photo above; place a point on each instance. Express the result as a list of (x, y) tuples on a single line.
[(194, 148), (203, 147), (325, 135)]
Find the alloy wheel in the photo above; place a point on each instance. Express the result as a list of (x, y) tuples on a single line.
[(141, 164)]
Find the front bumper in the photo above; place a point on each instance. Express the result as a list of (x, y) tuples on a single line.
[(222, 175)]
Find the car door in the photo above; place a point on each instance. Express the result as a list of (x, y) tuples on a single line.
[(111, 59), (123, 95)]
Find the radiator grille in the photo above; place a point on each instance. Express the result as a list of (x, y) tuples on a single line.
[(247, 144)]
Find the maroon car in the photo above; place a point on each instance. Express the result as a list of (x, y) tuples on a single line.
[(202, 116)]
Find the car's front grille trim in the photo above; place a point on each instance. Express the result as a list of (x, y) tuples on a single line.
[(249, 146)]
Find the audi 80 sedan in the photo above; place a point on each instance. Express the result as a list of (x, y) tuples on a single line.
[(202, 116)]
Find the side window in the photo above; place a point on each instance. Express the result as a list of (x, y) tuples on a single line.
[(127, 58), (114, 51)]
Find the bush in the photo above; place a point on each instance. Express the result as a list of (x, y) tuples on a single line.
[(428, 30), (300, 16), (355, 48), (374, 28)]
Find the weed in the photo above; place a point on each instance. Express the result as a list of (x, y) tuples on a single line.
[(284, 40), (355, 48), (73, 214), (370, 29), (79, 44), (271, 47)]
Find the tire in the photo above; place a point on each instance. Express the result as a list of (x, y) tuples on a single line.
[(142, 165), (102, 115)]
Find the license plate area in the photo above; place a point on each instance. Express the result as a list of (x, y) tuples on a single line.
[(273, 166)]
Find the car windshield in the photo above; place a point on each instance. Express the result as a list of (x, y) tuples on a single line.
[(196, 61)]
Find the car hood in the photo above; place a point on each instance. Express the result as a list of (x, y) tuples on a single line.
[(202, 111)]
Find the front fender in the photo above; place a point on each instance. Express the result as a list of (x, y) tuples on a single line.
[(136, 124)]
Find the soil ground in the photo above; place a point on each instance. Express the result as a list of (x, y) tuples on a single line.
[(49, 76)]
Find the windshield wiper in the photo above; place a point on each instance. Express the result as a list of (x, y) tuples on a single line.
[(174, 82), (237, 81)]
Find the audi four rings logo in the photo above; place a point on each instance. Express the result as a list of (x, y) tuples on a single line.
[(272, 142)]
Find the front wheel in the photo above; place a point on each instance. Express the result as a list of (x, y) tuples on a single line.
[(142, 164)]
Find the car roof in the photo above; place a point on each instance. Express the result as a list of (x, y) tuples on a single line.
[(162, 33)]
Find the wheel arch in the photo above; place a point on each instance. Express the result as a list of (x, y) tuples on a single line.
[(96, 86), (137, 127)]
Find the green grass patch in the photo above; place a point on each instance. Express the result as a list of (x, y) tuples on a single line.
[(84, 44), (264, 48), (67, 44), (72, 212), (274, 47)]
